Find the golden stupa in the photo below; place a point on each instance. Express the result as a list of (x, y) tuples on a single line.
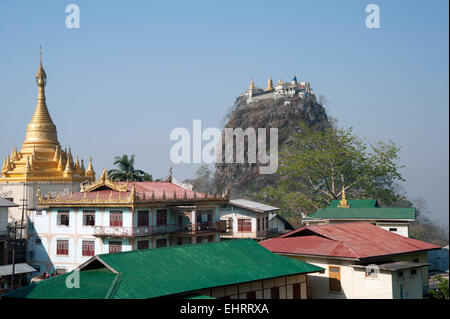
[(41, 158)]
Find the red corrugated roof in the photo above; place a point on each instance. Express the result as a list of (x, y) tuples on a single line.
[(357, 240), (147, 188)]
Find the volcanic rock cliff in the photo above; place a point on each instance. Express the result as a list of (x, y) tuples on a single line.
[(287, 115)]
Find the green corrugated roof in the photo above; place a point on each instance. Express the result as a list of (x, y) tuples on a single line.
[(179, 269), (364, 209), (94, 284)]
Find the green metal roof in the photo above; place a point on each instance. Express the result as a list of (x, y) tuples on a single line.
[(174, 270), (94, 284), (366, 209)]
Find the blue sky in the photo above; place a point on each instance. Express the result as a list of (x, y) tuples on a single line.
[(137, 69)]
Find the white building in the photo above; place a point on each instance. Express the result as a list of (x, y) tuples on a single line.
[(108, 217), (248, 219), (281, 90)]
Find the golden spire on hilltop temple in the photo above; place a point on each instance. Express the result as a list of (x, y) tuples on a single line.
[(269, 84), (343, 202), (41, 158), (252, 84)]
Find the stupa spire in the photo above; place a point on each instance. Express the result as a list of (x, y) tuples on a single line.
[(41, 130)]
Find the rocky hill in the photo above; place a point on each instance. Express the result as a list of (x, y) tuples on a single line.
[(287, 116)]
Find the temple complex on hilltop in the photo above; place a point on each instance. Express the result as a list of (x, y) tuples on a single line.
[(41, 162), (280, 90)]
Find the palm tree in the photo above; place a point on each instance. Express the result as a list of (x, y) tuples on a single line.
[(126, 171)]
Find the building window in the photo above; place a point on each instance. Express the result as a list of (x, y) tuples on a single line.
[(161, 243), (415, 260), (296, 291), (39, 213), (275, 293), (60, 271), (244, 225), (161, 217), (392, 229), (400, 274), (251, 295), (63, 218), (142, 244), (115, 246), (211, 238), (180, 241), (334, 278), (62, 247), (88, 248), (258, 224), (143, 218), (115, 218), (413, 272), (88, 218), (267, 222)]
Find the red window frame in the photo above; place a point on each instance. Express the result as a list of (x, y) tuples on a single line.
[(244, 225), (161, 217), (88, 248), (62, 247), (115, 246), (143, 218), (296, 291), (116, 218)]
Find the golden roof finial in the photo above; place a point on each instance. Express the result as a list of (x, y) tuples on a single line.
[(82, 170), (90, 171), (41, 130), (252, 84), (269, 84), (343, 202), (68, 170)]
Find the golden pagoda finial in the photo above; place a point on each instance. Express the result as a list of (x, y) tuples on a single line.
[(38, 192), (269, 84), (28, 166), (61, 163), (252, 84), (280, 81), (82, 170), (343, 202), (68, 172), (41, 130), (90, 171)]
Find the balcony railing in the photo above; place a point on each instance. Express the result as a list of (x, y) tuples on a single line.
[(116, 231)]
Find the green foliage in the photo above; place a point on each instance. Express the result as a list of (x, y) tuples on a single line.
[(441, 291), (316, 166), (126, 171)]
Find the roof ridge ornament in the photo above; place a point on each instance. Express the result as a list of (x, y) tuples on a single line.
[(343, 202)]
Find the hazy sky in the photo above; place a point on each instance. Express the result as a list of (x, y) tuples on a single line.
[(135, 70)]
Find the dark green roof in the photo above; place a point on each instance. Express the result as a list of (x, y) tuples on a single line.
[(366, 209), (94, 284), (172, 270)]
